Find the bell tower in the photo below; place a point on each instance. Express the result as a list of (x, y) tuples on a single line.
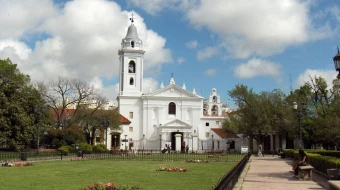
[(131, 57)]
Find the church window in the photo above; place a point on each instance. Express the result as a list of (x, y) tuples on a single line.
[(130, 129), (131, 81), (207, 134), (207, 124), (214, 99), (131, 115), (172, 108), (132, 44), (214, 110), (217, 122), (132, 67)]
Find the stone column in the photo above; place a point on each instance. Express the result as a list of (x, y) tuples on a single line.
[(178, 142)]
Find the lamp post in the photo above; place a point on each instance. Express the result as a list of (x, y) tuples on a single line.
[(160, 142), (125, 142), (299, 115), (212, 139), (336, 59), (114, 141), (192, 142), (106, 125), (143, 141), (40, 113)]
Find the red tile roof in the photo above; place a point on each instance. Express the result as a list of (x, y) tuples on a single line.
[(124, 120), (224, 134)]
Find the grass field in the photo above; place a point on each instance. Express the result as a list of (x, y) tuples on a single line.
[(65, 175)]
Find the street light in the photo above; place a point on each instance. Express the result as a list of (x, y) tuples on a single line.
[(143, 141), (115, 141), (40, 113), (106, 125), (336, 59), (212, 139), (299, 115), (125, 142), (160, 142)]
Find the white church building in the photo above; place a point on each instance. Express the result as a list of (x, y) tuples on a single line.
[(169, 116)]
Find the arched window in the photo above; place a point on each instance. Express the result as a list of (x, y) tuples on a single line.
[(132, 44), (214, 110), (214, 99), (172, 108), (131, 81), (132, 67)]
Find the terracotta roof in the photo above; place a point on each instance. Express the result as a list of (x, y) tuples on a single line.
[(224, 134), (123, 120)]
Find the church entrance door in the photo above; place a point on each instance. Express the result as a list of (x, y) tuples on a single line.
[(173, 140)]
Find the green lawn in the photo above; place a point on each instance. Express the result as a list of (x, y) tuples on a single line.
[(77, 174)]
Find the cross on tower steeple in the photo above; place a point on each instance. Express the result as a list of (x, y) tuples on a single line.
[(132, 19)]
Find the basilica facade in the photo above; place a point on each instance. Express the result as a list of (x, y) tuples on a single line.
[(169, 116)]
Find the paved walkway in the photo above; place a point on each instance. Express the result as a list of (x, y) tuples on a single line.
[(273, 173)]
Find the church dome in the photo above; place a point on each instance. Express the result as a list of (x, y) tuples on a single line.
[(132, 32)]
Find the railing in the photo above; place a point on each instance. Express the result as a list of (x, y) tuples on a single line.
[(143, 155), (229, 180)]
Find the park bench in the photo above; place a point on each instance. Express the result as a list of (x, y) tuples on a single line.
[(334, 184), (333, 173), (305, 172)]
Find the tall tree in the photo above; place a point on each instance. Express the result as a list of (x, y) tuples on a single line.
[(256, 112), (18, 98), (96, 123), (65, 94)]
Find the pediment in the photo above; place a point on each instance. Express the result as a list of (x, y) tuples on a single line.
[(173, 91), (176, 124)]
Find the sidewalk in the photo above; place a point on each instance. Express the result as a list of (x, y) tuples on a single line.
[(273, 173)]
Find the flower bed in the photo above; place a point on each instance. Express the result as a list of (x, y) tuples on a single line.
[(172, 169), (109, 186), (198, 161), (78, 159), (7, 164)]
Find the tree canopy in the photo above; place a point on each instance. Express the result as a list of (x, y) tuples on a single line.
[(18, 99)]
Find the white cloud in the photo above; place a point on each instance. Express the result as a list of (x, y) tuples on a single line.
[(111, 92), (149, 83), (328, 75), (23, 17), (192, 44), (180, 60), (84, 37), (259, 27), (206, 53), (154, 7), (14, 48), (257, 67), (210, 72)]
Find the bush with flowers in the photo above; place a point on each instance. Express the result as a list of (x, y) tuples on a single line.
[(198, 161), (7, 164), (110, 186), (172, 169)]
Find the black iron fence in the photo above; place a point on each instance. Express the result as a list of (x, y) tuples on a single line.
[(228, 181), (142, 155)]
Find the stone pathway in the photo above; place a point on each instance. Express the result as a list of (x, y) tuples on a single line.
[(273, 173)]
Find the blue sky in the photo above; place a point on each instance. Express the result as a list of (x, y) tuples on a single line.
[(264, 44)]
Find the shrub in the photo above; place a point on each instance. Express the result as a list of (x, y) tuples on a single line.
[(100, 148), (65, 149), (86, 148)]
